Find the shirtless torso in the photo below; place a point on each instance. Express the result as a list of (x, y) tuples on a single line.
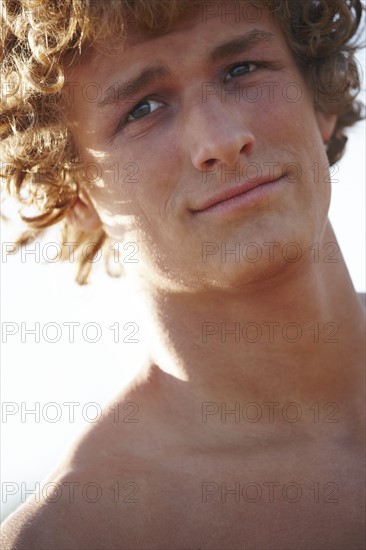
[(136, 480)]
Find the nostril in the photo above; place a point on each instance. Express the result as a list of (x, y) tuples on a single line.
[(210, 162)]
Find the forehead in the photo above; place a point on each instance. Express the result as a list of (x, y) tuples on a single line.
[(190, 36)]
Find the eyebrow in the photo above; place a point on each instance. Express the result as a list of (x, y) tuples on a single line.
[(240, 44), (121, 91)]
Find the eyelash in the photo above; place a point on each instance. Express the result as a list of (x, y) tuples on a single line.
[(125, 120), (241, 64)]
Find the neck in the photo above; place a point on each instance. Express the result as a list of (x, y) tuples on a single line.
[(298, 340)]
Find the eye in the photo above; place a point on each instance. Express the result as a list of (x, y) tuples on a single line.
[(143, 108), (241, 69)]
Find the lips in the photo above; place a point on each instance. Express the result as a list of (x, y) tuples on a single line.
[(233, 192)]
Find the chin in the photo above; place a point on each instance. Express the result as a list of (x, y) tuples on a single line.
[(248, 277), (274, 256)]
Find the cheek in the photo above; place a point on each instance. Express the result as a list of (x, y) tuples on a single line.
[(154, 168), (281, 120), (131, 201), (291, 128)]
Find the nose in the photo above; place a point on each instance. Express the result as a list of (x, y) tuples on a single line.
[(217, 135)]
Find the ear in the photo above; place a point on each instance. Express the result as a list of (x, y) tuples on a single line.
[(83, 215), (326, 124)]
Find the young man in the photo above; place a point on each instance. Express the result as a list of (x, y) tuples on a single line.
[(251, 403)]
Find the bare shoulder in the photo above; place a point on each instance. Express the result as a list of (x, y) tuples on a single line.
[(76, 510), (38, 524), (92, 499)]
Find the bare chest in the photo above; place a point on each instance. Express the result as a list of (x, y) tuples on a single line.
[(296, 501)]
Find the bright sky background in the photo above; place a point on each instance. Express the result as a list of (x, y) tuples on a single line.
[(85, 372)]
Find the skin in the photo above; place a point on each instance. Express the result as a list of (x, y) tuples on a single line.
[(171, 451)]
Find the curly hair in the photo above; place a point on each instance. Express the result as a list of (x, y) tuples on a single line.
[(40, 164)]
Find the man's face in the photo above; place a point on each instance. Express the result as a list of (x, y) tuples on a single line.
[(221, 105)]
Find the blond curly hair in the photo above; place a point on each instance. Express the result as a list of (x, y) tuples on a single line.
[(40, 163)]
